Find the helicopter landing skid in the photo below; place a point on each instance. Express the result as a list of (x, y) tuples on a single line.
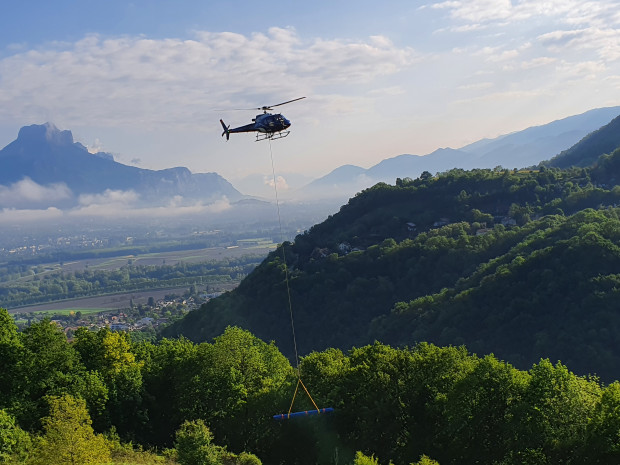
[(272, 136)]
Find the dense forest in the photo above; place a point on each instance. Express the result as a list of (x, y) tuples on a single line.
[(103, 399), (28, 286), (520, 263)]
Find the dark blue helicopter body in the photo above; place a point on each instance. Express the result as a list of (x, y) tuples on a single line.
[(266, 125)]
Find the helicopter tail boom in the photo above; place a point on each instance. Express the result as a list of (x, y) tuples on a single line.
[(226, 130)]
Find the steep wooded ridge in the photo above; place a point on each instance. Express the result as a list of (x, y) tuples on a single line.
[(588, 149), (522, 264)]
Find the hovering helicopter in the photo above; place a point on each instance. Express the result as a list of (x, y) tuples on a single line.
[(266, 125)]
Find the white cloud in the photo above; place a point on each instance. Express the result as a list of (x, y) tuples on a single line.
[(583, 70), (27, 193), (114, 210), (477, 11), (97, 146), (27, 201), (503, 96), (575, 12), (139, 81), (393, 90), (280, 183), (127, 204), (19, 216), (604, 42), (218, 206), (476, 86), (109, 197), (538, 62)]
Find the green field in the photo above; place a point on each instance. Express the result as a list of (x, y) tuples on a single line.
[(71, 311)]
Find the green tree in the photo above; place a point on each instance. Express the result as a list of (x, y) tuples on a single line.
[(555, 411), (478, 411), (11, 353), (168, 370), (111, 355), (194, 445), (361, 459), (49, 366), (69, 437), (239, 377), (14, 442), (244, 458), (603, 442), (425, 460)]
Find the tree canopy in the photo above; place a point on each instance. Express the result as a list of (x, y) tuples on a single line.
[(215, 400)]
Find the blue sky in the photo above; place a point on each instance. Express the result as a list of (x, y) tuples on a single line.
[(143, 80)]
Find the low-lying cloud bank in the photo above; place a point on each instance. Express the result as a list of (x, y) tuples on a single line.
[(26, 201), (27, 194)]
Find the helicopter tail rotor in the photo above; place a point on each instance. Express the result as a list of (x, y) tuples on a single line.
[(226, 130)]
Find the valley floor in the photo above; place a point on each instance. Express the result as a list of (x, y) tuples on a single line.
[(106, 302)]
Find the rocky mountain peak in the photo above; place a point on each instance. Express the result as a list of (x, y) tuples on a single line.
[(45, 133)]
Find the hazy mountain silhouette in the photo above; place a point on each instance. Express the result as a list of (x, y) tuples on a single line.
[(346, 177), (49, 156), (516, 150)]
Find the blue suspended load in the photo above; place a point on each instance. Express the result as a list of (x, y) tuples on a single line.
[(306, 413)]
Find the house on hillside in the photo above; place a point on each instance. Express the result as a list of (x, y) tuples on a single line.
[(319, 253), (508, 221), (119, 327), (144, 322), (344, 248)]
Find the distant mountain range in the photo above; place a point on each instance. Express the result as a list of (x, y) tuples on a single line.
[(47, 156), (516, 150), (48, 160)]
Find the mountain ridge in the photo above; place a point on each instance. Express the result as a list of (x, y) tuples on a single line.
[(47, 155), (586, 152), (518, 149)]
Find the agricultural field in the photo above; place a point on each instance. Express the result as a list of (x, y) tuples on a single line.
[(164, 258), (115, 282)]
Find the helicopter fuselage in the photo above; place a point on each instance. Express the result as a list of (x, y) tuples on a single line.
[(266, 123), (270, 123)]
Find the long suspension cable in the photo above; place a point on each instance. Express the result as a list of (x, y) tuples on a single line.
[(288, 288)]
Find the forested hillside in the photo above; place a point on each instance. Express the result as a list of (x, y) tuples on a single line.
[(522, 264), (586, 152), (104, 399)]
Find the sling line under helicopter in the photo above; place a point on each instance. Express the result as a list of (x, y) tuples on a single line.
[(291, 414)]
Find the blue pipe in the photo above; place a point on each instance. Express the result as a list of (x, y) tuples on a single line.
[(306, 413)]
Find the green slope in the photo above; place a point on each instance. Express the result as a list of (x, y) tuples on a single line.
[(554, 294), (527, 289), (586, 152)]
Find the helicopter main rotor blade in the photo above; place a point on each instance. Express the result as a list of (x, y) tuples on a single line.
[(265, 108), (278, 104), (238, 109)]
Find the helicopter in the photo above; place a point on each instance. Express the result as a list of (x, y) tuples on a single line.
[(267, 125)]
